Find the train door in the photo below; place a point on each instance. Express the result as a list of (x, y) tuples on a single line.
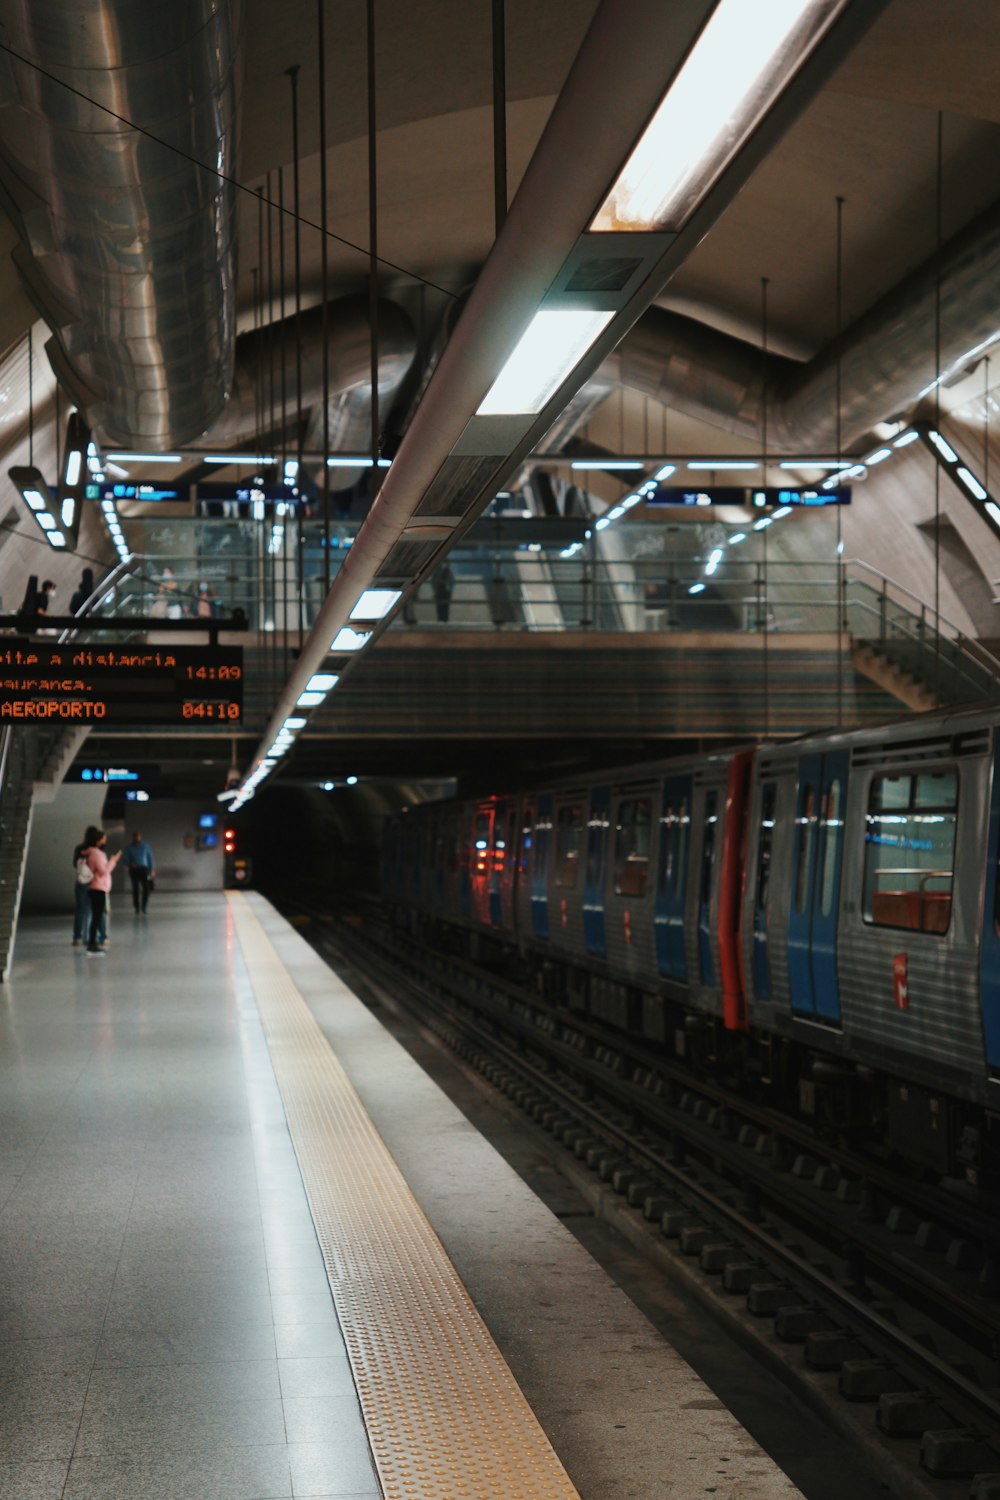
[(598, 823), (671, 874), (762, 891), (709, 850), (989, 960), (816, 869), (540, 867)]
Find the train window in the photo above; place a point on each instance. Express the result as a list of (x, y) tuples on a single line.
[(765, 841), (597, 834), (569, 830), (806, 826), (833, 822), (910, 851), (674, 826), (632, 847), (708, 846)]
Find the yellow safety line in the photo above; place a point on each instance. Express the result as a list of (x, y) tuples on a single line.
[(445, 1418)]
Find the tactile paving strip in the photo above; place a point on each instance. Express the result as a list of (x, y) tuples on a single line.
[(445, 1417)]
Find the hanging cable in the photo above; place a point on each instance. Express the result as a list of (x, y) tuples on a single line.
[(764, 283), (499, 115), (373, 242), (295, 526), (838, 418), (938, 195), (324, 288)]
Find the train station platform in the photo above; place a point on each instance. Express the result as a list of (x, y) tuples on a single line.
[(250, 1250)]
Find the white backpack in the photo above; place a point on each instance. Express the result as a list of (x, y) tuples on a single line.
[(84, 874)]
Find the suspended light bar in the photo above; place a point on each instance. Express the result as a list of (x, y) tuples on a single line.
[(906, 439), (225, 458), (146, 458), (355, 461), (696, 588), (723, 463), (742, 60), (607, 463), (959, 472), (664, 473), (714, 559), (550, 348)]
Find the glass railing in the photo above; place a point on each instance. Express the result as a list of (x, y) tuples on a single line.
[(277, 574)]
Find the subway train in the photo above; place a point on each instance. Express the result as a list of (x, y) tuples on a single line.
[(816, 921)]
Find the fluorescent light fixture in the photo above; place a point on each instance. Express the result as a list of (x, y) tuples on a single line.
[(45, 521), (328, 786), (68, 510), (350, 640), (739, 536), (375, 604), (74, 459), (237, 458), (972, 483), (764, 522), (607, 463), (993, 509), (322, 682), (783, 510), (34, 499), (291, 468), (714, 559), (108, 507), (602, 523), (631, 500), (742, 59), (723, 463), (551, 347), (664, 473), (118, 471), (147, 458), (878, 456), (339, 462), (943, 447), (56, 538), (294, 723), (614, 515), (310, 700), (352, 781), (696, 588), (811, 463), (906, 439)]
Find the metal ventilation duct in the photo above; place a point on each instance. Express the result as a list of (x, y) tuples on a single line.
[(887, 356), (128, 245), (255, 404)]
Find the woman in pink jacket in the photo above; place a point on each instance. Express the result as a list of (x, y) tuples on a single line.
[(102, 867)]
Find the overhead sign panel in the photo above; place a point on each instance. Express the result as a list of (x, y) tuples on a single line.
[(143, 492), (116, 685), (757, 498)]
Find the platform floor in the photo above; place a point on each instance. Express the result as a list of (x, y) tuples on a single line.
[(168, 1326)]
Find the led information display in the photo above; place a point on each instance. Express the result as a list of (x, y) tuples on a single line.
[(722, 494), (120, 684)]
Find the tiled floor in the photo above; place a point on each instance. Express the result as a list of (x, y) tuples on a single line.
[(166, 1327)]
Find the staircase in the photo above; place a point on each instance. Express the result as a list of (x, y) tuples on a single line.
[(892, 677)]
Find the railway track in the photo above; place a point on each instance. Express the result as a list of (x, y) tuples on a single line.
[(872, 1296)]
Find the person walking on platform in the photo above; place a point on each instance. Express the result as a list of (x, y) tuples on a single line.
[(141, 870), (102, 868), (82, 876)]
